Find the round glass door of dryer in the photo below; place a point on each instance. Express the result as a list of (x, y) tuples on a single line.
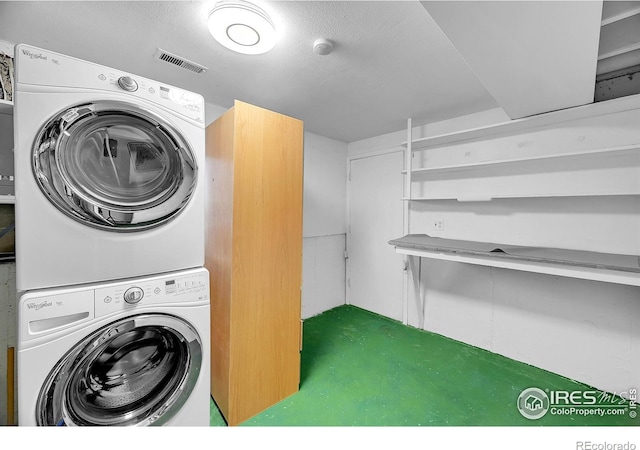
[(134, 372), (114, 166)]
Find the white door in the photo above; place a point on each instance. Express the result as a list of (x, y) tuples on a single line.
[(374, 270)]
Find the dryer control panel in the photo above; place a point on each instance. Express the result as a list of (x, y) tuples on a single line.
[(41, 67)]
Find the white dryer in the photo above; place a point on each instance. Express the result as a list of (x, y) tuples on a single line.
[(127, 353), (109, 173)]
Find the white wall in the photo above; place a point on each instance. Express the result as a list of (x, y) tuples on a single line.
[(325, 185), (324, 224), (585, 330), (324, 220), (323, 274), (212, 112)]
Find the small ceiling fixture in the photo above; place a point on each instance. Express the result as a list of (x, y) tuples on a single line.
[(323, 46), (242, 27)]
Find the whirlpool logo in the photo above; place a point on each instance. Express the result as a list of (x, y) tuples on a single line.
[(37, 306), (32, 55)]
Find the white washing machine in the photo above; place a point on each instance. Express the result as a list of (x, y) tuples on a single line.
[(126, 353), (109, 173)]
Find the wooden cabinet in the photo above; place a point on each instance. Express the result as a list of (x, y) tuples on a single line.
[(254, 257)]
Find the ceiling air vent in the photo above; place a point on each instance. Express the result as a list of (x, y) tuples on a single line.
[(176, 60)]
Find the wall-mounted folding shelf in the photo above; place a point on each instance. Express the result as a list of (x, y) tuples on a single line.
[(611, 268)]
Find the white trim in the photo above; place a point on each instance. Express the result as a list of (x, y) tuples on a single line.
[(350, 159)]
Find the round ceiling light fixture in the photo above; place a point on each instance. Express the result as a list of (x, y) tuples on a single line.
[(242, 27)]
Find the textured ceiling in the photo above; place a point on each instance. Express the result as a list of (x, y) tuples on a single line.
[(390, 61), (533, 57)]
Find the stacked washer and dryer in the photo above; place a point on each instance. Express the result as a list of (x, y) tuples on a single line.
[(113, 311)]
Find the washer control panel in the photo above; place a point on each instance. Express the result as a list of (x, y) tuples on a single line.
[(49, 311), (184, 287)]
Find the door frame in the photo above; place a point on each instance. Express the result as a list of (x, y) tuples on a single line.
[(405, 222)]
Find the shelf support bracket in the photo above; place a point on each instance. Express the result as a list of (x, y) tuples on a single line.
[(405, 213), (415, 267)]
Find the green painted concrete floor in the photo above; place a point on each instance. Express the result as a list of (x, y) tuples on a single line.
[(362, 369)]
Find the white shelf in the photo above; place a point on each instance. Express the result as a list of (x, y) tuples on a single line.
[(516, 126), (7, 199), (507, 196), (611, 268), (590, 151), (480, 164), (585, 273), (620, 15)]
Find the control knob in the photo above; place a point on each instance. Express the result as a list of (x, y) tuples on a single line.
[(133, 295), (128, 84)]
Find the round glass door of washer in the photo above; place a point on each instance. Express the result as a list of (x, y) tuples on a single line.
[(133, 372), (114, 166)]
